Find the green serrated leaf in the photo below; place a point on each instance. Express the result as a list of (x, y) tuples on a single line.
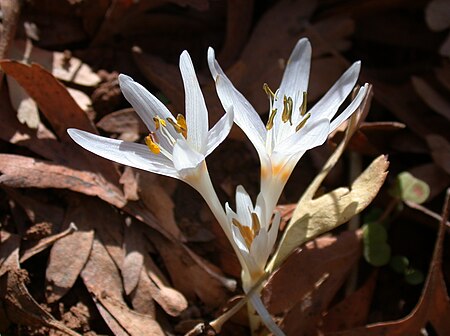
[(399, 264), (377, 254), (409, 188), (414, 276)]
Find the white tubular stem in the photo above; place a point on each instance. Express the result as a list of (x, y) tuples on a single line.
[(264, 314)]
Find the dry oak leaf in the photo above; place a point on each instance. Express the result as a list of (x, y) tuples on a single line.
[(24, 172)]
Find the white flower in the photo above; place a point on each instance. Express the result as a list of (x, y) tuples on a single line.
[(290, 130), (253, 231), (175, 147)]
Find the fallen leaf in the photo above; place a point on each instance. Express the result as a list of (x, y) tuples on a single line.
[(27, 110), (102, 279), (69, 254), (353, 311), (440, 151), (133, 246), (433, 306), (301, 297), (122, 121), (20, 306), (431, 97), (24, 172)]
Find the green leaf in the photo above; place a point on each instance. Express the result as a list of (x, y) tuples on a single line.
[(399, 264), (409, 188), (414, 276), (374, 233), (313, 217), (377, 254)]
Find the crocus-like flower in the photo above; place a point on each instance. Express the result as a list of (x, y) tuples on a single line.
[(175, 147), (253, 232), (290, 130)]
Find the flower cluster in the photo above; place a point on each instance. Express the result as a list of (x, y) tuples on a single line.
[(178, 146)]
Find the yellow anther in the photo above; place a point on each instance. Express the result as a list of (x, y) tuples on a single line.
[(256, 225), (245, 231), (182, 123), (150, 141), (303, 106), (287, 110), (303, 122), (159, 122), (179, 125), (270, 121), (268, 91)]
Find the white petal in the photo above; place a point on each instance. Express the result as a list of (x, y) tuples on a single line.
[(244, 206), (196, 112), (273, 233), (259, 249), (185, 159), (245, 115), (329, 104), (143, 102), (219, 132), (314, 133), (127, 153), (238, 239), (351, 108), (296, 75), (260, 210)]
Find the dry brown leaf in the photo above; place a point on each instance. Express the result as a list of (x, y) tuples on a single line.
[(102, 279), (68, 257), (123, 121), (130, 184), (440, 151), (24, 172), (431, 97), (437, 14), (433, 306), (187, 276), (158, 201), (44, 243), (300, 296), (433, 175), (134, 250), (20, 306), (353, 310), (142, 296)]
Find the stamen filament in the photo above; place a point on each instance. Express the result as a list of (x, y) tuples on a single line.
[(303, 122), (270, 121), (268, 92)]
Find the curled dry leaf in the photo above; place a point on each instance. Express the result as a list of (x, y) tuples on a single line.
[(24, 172), (123, 121)]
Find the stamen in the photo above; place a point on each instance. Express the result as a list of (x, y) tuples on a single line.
[(303, 122), (268, 92), (150, 141), (158, 122), (287, 110), (256, 225), (179, 125), (303, 106), (270, 121), (182, 123), (245, 231)]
